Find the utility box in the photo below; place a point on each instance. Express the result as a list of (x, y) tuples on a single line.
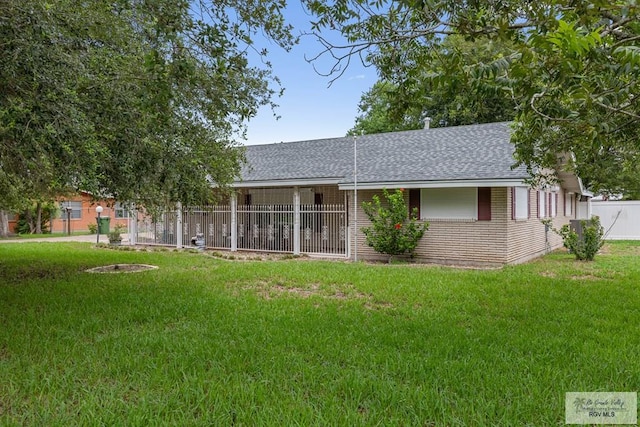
[(577, 226), (103, 224)]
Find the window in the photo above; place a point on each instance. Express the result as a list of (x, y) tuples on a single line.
[(121, 211), (454, 203), (520, 203), (76, 209), (553, 207)]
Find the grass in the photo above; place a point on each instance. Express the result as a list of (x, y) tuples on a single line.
[(211, 341), (47, 235)]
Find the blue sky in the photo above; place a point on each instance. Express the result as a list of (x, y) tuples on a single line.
[(309, 109)]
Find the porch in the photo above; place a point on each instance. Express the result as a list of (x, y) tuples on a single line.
[(295, 227)]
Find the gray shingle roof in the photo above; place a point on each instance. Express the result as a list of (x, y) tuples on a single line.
[(472, 152)]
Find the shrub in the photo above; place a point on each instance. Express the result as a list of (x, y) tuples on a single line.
[(586, 246), (93, 228), (114, 235), (393, 230)]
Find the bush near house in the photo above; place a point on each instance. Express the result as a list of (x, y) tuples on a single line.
[(585, 245), (393, 231)]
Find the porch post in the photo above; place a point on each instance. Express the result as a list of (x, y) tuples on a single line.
[(234, 222), (296, 220), (133, 225), (179, 229)]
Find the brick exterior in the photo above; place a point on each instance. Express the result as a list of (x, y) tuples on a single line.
[(499, 241), (88, 215)]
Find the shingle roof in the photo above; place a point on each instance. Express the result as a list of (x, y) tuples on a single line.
[(472, 152)]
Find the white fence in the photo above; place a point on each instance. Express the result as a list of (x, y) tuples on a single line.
[(620, 220), (321, 229)]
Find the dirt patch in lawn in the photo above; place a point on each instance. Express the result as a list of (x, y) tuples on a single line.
[(122, 268), (271, 290)]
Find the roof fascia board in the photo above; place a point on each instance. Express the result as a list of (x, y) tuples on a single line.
[(286, 182), (438, 184)]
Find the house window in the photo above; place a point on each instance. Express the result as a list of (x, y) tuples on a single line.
[(520, 203), (542, 204), (568, 204), (76, 209), (553, 207), (449, 203), (121, 211)]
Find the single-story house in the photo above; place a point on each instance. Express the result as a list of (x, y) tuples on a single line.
[(306, 197)]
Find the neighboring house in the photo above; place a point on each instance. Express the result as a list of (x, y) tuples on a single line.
[(303, 197), (81, 213)]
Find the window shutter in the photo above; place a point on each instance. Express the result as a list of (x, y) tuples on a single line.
[(513, 203), (538, 203), (484, 204), (414, 200)]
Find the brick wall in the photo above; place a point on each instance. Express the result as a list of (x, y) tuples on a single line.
[(499, 241)]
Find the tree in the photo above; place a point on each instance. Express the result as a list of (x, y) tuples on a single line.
[(394, 230), (376, 108), (391, 107), (140, 101), (573, 68)]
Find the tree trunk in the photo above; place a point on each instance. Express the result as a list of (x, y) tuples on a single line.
[(39, 218), (4, 223), (28, 217)]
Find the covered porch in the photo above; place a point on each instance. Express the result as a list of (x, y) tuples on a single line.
[(290, 219)]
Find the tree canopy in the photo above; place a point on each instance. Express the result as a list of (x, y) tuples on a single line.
[(572, 69), (390, 106), (141, 100)]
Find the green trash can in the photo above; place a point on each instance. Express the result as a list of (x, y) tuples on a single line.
[(104, 225)]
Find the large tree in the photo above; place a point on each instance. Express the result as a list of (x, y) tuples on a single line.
[(141, 100), (573, 68), (390, 106)]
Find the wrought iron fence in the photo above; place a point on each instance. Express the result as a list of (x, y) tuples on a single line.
[(323, 228), (212, 221), (265, 227), (160, 230)]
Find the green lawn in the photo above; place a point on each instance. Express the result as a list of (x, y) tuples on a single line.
[(47, 235), (208, 341)]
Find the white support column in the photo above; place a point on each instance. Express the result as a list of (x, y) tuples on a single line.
[(179, 228), (234, 222), (296, 221), (133, 225)]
